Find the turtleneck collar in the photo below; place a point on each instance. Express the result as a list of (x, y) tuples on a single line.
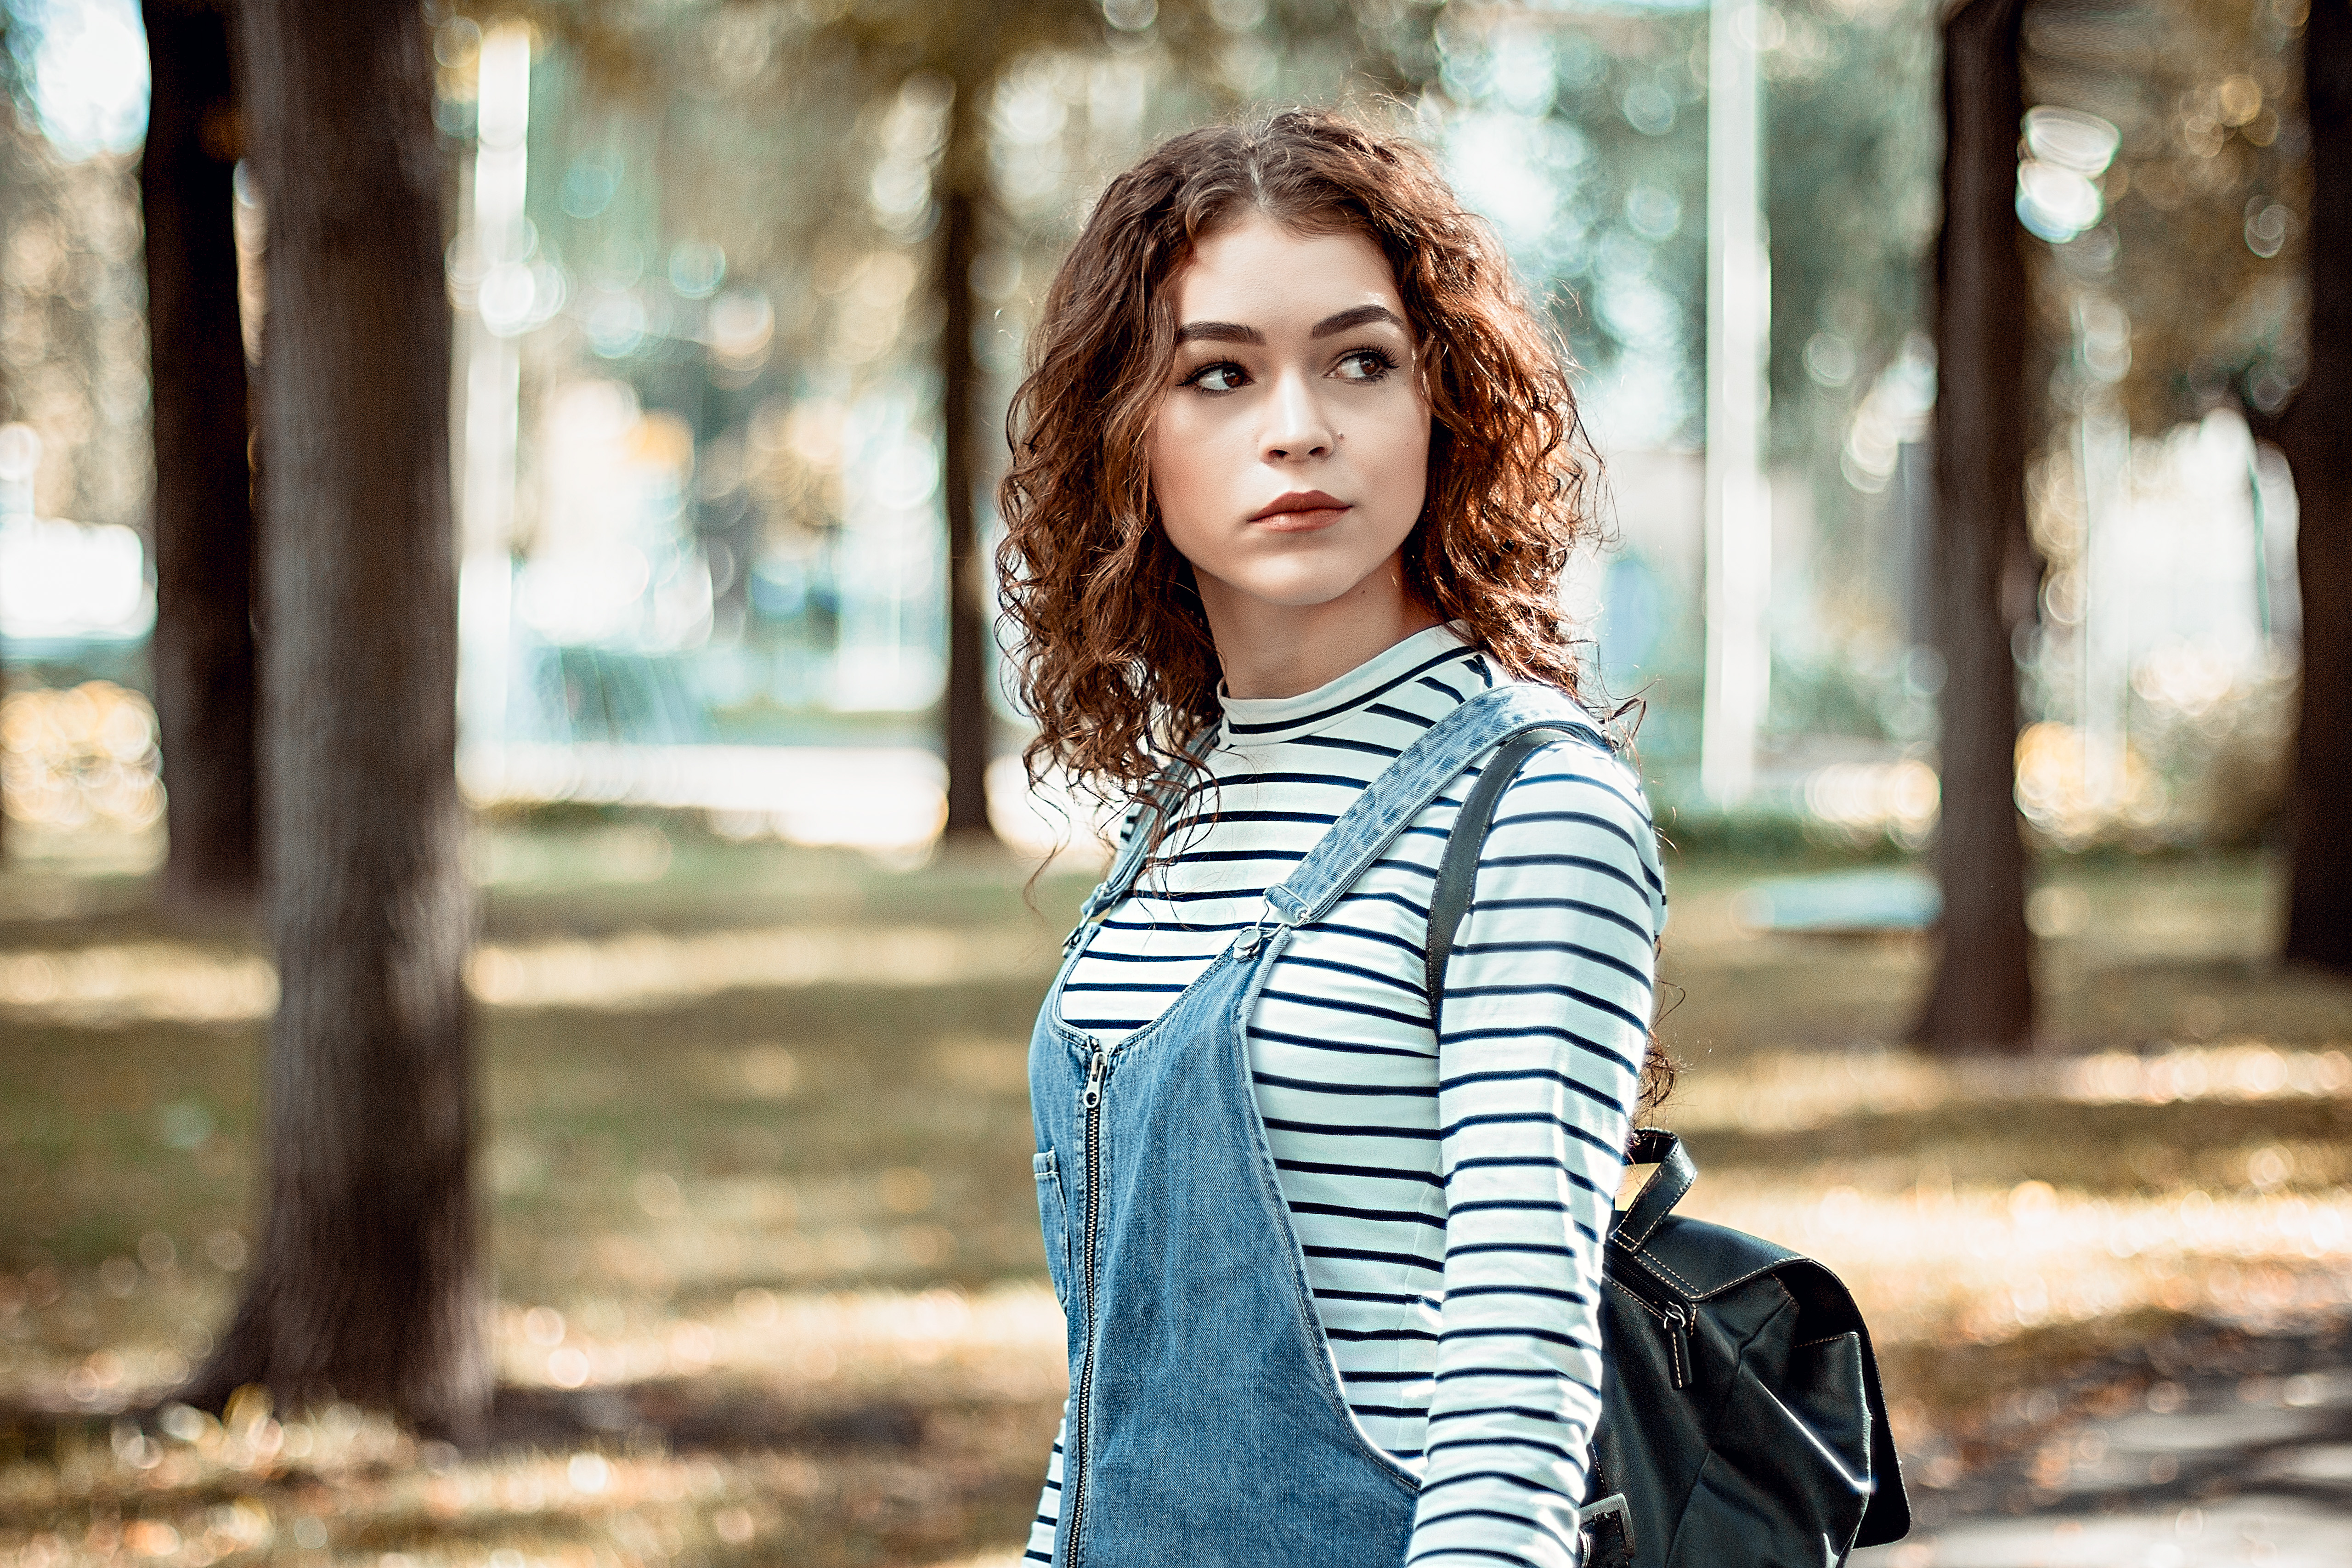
[(1256, 720)]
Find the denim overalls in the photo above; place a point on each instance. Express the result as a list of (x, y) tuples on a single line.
[(1207, 1424)]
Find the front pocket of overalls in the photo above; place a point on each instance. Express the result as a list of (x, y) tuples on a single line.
[(1054, 1220)]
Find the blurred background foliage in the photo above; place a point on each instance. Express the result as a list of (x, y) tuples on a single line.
[(727, 311)]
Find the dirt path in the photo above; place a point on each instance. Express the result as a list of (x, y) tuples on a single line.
[(2239, 1450)]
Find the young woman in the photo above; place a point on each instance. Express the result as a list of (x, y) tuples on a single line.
[(1295, 473)]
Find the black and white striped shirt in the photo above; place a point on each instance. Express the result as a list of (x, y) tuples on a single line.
[(1449, 1188)]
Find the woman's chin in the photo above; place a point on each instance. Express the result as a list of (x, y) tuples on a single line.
[(1304, 591)]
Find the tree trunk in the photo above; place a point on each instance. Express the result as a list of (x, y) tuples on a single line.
[(2316, 435), (365, 1285), (964, 707), (1983, 995), (202, 649)]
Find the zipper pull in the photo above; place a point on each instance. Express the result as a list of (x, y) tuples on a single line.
[(1091, 1096), (1678, 1342)]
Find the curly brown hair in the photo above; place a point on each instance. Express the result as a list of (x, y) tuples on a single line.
[(1113, 650)]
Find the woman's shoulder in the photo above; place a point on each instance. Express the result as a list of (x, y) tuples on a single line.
[(1587, 752), (1581, 796)]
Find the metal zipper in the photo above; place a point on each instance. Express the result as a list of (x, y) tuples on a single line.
[(1090, 1097), (1674, 1317), (1678, 1342)]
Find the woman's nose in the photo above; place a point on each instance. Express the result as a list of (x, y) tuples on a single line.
[(1297, 423)]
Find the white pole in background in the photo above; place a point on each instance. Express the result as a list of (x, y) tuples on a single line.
[(493, 387), (1738, 336), (2103, 633)]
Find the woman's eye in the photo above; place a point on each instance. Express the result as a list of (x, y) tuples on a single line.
[(1365, 365), (1222, 376)]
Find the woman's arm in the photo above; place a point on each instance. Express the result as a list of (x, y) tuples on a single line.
[(1544, 1022)]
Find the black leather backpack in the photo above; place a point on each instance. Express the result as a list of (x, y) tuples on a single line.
[(1741, 1421)]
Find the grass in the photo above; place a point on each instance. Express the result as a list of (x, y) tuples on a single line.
[(763, 1236)]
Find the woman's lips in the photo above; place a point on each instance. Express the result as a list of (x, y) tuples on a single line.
[(1301, 511)]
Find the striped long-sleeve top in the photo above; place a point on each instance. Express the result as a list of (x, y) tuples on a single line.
[(1449, 1186)]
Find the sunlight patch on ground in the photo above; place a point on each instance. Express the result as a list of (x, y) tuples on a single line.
[(173, 982), (2081, 907), (1982, 1264), (137, 983), (645, 969), (1002, 1343), (1779, 1092), (1006, 1343)]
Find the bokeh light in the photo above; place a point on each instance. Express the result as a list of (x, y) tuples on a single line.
[(88, 64), (82, 756)]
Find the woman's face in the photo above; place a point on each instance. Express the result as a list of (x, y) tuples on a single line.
[(1290, 450)]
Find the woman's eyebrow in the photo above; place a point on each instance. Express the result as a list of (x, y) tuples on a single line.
[(1235, 332), (1361, 316), (1218, 331)]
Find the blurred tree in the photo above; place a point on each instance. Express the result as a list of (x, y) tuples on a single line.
[(2316, 431), (966, 714), (1982, 995), (966, 49), (202, 648), (2202, 96), (366, 1281), (2229, 297)]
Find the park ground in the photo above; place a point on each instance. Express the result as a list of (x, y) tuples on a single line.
[(763, 1234)]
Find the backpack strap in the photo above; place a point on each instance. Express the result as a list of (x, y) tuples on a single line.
[(1659, 1195), (1458, 872)]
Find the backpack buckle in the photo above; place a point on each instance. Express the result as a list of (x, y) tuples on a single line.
[(1608, 1528)]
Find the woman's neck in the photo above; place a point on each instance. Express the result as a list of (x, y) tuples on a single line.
[(1280, 650)]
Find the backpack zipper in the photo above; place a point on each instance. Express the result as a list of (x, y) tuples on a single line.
[(1090, 1098), (1678, 1342), (1676, 1319)]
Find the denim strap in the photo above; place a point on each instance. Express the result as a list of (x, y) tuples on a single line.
[(1419, 773), (1158, 798)]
